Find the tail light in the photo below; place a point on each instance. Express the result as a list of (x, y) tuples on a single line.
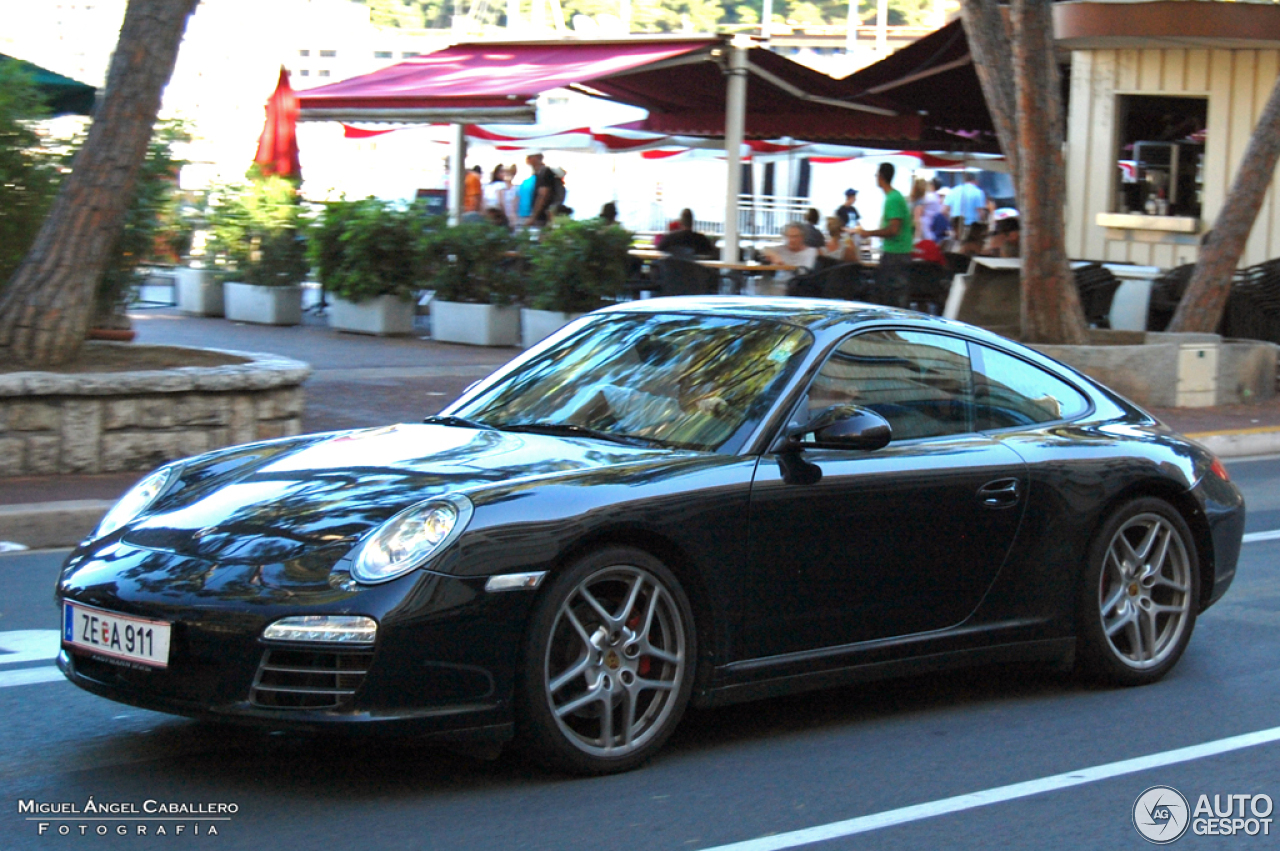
[(1219, 470)]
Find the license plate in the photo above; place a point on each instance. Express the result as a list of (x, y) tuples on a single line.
[(126, 637)]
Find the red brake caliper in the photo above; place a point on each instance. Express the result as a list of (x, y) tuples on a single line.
[(642, 667)]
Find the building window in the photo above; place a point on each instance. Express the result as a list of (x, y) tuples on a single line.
[(304, 73), (328, 54), (304, 52), (382, 54), (409, 54), (323, 73), (1161, 153)]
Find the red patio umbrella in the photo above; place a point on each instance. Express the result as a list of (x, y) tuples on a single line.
[(278, 144)]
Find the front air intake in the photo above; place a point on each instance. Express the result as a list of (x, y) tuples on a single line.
[(309, 679)]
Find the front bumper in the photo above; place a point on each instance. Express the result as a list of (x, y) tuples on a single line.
[(442, 665)]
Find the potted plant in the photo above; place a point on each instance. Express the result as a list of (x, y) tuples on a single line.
[(476, 270), (258, 247), (575, 268), (365, 254)]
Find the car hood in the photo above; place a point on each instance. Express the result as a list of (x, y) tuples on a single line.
[(325, 494)]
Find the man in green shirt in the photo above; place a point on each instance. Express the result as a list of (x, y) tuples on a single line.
[(895, 233)]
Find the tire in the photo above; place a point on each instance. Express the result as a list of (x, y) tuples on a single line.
[(607, 665), (1139, 595)]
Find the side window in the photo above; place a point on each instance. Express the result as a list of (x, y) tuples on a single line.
[(1010, 392), (919, 382)]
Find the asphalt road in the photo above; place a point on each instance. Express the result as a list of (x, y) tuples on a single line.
[(1056, 765)]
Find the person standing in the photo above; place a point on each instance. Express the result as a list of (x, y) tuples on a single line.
[(472, 191), (541, 211), (895, 234), (511, 196), (846, 212), (968, 201)]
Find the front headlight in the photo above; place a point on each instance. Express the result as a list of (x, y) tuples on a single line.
[(410, 538), (136, 500)]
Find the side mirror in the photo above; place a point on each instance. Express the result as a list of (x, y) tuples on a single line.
[(842, 427)]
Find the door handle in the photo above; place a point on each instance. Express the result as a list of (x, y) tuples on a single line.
[(1001, 493)]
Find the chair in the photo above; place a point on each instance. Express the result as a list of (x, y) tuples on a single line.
[(678, 276), (928, 285), (847, 281), (1097, 285)]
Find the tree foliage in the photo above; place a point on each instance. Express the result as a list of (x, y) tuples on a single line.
[(258, 232), (29, 173)]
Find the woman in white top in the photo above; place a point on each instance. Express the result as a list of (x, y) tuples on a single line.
[(496, 188), (511, 196)]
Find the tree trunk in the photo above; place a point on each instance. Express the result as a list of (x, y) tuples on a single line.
[(1051, 311), (990, 46), (1019, 76), (1206, 297), (46, 307)]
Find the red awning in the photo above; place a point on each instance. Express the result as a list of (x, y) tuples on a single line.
[(682, 83), (493, 82)]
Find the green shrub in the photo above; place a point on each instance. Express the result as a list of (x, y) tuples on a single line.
[(258, 233), (29, 174), (365, 249), (577, 266), (474, 262)]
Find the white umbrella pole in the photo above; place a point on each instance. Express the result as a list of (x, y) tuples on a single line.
[(457, 172), (735, 115)]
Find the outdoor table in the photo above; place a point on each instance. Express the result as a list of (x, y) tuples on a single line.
[(741, 272)]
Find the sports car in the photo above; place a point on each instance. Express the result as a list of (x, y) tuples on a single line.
[(678, 500)]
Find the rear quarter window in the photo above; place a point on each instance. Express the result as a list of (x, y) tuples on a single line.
[(1010, 392)]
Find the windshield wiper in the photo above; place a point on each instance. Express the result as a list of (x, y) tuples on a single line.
[(573, 430), (457, 422)]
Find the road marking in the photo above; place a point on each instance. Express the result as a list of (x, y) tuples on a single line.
[(29, 645), (986, 797), (1262, 536), (30, 676)]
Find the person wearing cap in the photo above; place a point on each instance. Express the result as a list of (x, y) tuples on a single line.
[(846, 212)]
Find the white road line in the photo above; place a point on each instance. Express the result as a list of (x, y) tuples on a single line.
[(959, 803), (1262, 536), (30, 676), (29, 645)]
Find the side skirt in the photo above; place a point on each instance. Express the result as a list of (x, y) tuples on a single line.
[(1060, 651)]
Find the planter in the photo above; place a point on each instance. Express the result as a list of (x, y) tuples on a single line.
[(537, 325), (263, 305), (384, 316), (475, 324), (199, 293), (114, 335)]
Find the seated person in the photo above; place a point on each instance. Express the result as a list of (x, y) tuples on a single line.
[(685, 240), (813, 237), (791, 253), (839, 245)]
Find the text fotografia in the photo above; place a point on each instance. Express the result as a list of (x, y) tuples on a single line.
[(126, 808)]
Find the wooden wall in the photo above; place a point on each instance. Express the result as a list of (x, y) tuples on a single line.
[(1237, 84)]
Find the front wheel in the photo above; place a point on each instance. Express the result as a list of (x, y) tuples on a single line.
[(1139, 596), (608, 664)]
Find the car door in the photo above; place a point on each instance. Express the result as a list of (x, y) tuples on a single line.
[(853, 546)]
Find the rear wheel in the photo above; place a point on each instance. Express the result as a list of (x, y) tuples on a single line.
[(608, 664), (1139, 596)]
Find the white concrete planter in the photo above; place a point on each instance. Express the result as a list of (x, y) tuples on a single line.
[(263, 305), (200, 293), (384, 316), (475, 324), (537, 325)]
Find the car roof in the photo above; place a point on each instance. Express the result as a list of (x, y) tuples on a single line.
[(811, 313)]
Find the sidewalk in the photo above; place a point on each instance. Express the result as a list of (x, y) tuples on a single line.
[(363, 381)]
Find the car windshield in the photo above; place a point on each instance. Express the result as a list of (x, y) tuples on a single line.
[(686, 381)]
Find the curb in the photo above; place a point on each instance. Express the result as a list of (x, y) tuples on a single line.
[(1239, 443), (51, 524), (64, 524)]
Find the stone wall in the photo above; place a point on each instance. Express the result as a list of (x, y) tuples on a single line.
[(120, 421)]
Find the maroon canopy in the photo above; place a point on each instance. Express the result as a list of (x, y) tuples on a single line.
[(278, 144), (934, 76), (681, 82)]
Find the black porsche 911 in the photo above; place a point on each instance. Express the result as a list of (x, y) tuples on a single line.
[(705, 499)]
